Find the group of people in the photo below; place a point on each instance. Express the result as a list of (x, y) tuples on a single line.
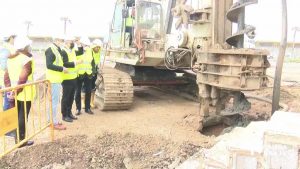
[(71, 64)]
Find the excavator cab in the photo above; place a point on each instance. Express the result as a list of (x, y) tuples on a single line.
[(134, 21), (149, 20)]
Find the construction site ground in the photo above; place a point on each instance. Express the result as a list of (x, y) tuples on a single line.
[(159, 131)]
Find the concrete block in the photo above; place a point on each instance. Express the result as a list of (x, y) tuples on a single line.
[(246, 162), (285, 123), (190, 164), (250, 139), (270, 145), (247, 148), (282, 141), (280, 156)]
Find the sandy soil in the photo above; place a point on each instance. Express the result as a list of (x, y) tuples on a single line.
[(104, 151), (157, 132), (153, 113)]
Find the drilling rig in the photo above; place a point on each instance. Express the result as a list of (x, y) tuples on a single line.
[(203, 48)]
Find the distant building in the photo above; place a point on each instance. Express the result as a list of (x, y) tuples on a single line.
[(273, 48), (40, 43)]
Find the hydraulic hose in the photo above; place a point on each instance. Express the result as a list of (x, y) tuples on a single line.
[(284, 107)]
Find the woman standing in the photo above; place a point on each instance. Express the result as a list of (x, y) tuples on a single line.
[(20, 71)]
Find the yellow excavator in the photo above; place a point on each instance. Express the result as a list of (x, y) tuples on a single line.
[(148, 48)]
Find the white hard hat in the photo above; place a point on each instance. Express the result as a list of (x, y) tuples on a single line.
[(58, 36), (85, 41), (21, 42), (97, 42), (69, 38)]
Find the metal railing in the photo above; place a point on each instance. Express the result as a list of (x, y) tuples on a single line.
[(37, 120)]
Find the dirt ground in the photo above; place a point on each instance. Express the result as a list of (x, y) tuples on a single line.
[(104, 151), (158, 132), (155, 133)]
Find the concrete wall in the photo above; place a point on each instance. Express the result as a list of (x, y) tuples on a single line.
[(40, 44)]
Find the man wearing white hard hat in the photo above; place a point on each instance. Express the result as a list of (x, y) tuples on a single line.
[(54, 73), (85, 76), (69, 78), (96, 51), (20, 71)]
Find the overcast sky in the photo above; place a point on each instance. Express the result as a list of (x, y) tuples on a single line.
[(89, 17), (92, 17)]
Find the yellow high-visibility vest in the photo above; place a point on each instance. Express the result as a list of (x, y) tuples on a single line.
[(129, 22), (15, 67), (55, 76), (86, 65), (96, 57), (72, 72)]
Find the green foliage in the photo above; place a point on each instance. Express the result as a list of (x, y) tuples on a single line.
[(292, 60)]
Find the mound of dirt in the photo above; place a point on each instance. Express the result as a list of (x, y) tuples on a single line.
[(105, 151)]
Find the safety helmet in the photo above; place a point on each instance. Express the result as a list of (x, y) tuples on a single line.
[(21, 42), (58, 36), (85, 41), (97, 43), (69, 38)]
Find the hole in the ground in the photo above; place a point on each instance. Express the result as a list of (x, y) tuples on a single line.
[(214, 130), (226, 125)]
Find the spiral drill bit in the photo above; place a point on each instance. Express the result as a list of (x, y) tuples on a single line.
[(236, 14)]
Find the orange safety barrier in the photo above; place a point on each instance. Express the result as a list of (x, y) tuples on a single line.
[(39, 118)]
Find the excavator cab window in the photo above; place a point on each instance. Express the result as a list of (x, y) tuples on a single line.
[(116, 26), (136, 19), (117, 22), (149, 20)]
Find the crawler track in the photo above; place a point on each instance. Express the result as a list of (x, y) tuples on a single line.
[(115, 90)]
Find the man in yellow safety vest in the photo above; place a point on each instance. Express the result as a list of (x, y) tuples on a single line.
[(85, 75), (69, 78), (54, 73), (96, 51)]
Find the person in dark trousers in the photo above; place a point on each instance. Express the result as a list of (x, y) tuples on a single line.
[(85, 76), (20, 71), (70, 78)]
